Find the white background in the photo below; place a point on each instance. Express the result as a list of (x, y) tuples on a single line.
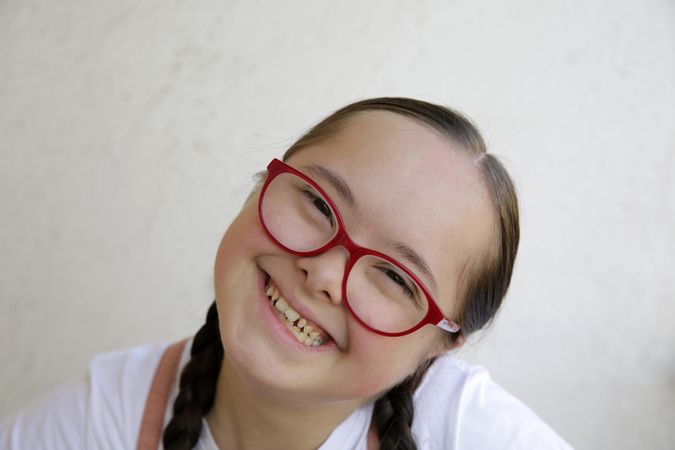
[(129, 131)]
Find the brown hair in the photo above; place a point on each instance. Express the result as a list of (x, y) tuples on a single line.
[(484, 280)]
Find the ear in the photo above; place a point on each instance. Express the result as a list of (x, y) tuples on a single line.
[(447, 344), (454, 342), (457, 342)]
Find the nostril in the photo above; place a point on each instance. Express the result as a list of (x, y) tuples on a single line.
[(335, 297)]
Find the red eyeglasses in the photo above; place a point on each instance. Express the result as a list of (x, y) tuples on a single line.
[(382, 294)]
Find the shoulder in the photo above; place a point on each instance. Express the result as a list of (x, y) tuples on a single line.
[(103, 410), (458, 406), (119, 385)]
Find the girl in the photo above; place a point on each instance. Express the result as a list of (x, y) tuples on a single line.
[(385, 237)]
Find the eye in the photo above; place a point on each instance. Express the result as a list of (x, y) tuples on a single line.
[(319, 204), (398, 279)]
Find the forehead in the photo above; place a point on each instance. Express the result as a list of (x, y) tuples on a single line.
[(411, 185)]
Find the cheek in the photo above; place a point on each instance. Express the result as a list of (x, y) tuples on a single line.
[(236, 282), (235, 273), (241, 243), (385, 362)]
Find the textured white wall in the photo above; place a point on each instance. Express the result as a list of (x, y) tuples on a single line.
[(129, 131)]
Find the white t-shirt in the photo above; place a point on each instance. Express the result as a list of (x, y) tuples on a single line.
[(457, 406)]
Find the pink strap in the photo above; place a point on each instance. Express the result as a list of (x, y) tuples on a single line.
[(155, 404), (373, 438)]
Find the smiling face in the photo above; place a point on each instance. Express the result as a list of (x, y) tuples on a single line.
[(410, 186)]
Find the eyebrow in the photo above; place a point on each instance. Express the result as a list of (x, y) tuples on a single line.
[(345, 192), (338, 183), (412, 256)]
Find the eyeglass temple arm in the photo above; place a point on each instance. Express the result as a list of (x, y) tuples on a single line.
[(445, 324)]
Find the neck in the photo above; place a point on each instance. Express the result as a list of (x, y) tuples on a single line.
[(248, 417)]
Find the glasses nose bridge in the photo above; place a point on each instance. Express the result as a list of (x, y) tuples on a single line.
[(354, 251)]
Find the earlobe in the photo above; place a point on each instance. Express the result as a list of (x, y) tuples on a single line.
[(457, 342), (448, 344), (442, 346)]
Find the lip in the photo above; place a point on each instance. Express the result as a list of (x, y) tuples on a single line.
[(279, 329)]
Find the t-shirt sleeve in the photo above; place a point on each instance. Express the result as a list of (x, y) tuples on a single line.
[(460, 407), (55, 421), (102, 411), (119, 386)]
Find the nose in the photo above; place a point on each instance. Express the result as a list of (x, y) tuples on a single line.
[(324, 273)]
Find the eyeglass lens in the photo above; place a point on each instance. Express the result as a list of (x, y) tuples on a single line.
[(380, 293)]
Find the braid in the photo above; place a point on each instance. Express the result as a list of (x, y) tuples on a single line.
[(197, 386), (393, 413)]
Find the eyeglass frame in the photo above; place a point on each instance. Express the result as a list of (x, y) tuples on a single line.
[(434, 315)]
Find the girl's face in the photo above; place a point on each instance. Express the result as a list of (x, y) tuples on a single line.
[(410, 186)]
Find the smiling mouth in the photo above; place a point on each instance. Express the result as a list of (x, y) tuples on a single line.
[(306, 332)]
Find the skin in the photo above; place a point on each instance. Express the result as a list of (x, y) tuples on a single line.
[(412, 185)]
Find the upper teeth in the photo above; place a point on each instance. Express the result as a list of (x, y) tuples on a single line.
[(302, 332)]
